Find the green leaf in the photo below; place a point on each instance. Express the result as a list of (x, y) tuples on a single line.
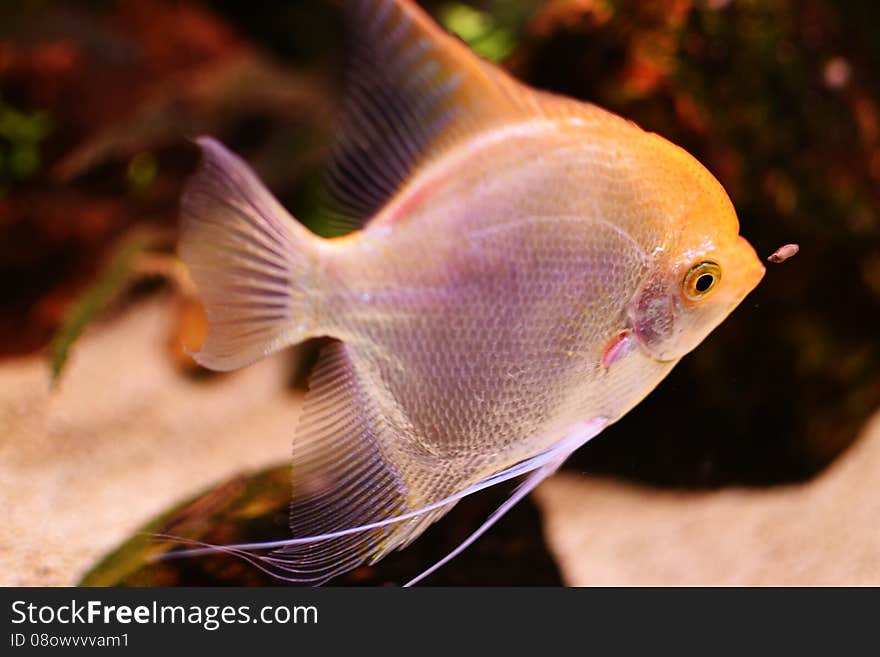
[(479, 30), (244, 508), (142, 171), (110, 284)]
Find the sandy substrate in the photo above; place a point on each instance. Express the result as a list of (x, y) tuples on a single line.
[(825, 532), (126, 436)]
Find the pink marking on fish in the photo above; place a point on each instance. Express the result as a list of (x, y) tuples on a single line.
[(619, 346), (410, 201)]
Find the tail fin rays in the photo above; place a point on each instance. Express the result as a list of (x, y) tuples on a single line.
[(252, 262)]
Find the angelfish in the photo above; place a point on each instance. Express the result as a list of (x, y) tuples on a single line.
[(525, 269)]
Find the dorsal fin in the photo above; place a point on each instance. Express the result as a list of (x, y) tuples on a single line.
[(413, 91)]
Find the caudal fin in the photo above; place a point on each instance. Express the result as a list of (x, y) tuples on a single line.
[(251, 261)]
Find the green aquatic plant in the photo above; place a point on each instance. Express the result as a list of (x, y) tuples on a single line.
[(119, 272), (487, 35), (141, 173), (21, 137)]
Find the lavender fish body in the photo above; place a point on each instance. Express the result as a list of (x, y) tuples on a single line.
[(528, 269)]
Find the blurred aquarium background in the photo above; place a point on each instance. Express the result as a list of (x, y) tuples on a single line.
[(780, 99)]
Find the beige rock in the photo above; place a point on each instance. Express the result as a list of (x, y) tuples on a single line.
[(824, 532), (124, 437)]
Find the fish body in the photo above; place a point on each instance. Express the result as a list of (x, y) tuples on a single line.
[(527, 269)]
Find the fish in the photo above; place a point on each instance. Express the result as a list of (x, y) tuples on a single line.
[(522, 269), (783, 253)]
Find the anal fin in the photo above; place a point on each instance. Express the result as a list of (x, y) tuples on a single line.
[(345, 475), (352, 501)]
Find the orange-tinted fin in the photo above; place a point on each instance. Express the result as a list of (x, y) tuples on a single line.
[(251, 261), (413, 92)]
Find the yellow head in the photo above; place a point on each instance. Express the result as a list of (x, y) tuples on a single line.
[(701, 272)]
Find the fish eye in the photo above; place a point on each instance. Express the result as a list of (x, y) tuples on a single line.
[(701, 280)]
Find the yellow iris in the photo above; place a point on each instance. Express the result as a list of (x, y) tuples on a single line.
[(701, 280)]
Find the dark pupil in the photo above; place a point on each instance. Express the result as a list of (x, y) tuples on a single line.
[(704, 282)]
